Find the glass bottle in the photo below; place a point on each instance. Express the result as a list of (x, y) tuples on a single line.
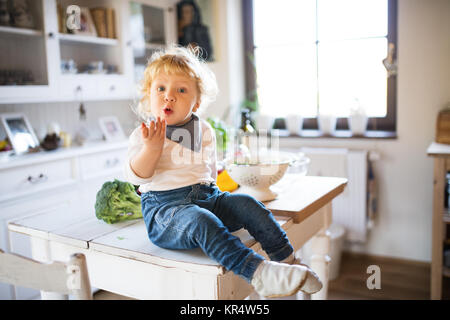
[(81, 132), (248, 135), (246, 123)]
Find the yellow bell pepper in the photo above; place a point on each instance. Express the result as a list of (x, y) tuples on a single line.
[(225, 183)]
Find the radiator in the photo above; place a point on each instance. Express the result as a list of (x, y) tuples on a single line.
[(350, 207)]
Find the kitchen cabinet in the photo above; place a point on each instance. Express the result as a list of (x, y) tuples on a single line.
[(152, 26), (85, 50), (41, 55), (29, 57), (60, 180)]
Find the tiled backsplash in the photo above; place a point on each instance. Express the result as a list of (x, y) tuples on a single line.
[(66, 115)]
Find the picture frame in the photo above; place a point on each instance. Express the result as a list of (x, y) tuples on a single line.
[(111, 128), (19, 132), (87, 26)]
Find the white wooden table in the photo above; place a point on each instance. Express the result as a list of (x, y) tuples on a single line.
[(121, 258)]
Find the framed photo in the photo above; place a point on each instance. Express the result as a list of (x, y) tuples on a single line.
[(87, 26), (111, 128), (20, 132)]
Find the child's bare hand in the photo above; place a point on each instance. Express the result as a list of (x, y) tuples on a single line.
[(154, 134)]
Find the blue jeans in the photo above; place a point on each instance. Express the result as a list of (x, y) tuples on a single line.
[(203, 216)]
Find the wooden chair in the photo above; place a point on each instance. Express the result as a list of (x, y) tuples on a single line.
[(63, 277)]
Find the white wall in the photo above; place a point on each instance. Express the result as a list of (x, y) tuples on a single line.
[(405, 173)]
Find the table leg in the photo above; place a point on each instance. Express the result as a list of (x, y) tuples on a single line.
[(437, 230), (320, 247), (40, 251)]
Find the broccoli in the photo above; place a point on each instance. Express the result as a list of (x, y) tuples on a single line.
[(117, 201)]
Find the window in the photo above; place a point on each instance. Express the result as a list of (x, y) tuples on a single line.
[(322, 56)]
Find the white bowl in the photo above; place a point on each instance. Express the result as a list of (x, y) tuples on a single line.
[(256, 179)]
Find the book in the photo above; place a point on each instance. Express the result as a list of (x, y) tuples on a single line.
[(111, 23), (99, 17), (61, 19)]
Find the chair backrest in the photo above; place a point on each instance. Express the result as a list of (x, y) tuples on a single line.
[(63, 277)]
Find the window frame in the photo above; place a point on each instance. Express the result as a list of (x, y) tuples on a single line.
[(387, 123)]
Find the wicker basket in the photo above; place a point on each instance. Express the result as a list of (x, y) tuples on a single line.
[(443, 127)]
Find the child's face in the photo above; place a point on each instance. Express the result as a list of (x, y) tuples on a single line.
[(174, 98)]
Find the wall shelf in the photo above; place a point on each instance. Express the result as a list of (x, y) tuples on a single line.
[(154, 46), (63, 37), (20, 31)]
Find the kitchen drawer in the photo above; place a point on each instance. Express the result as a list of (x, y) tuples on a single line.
[(100, 164), (78, 87), (25, 180), (94, 87), (114, 87)]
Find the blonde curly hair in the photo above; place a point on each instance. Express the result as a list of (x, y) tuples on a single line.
[(178, 60)]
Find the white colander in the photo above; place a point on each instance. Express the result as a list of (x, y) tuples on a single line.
[(256, 179)]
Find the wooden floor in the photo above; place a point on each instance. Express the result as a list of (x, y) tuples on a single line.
[(105, 295), (400, 280)]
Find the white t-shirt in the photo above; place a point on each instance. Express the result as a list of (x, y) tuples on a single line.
[(178, 166)]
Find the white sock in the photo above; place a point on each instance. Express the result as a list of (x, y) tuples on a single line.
[(273, 279), (258, 270)]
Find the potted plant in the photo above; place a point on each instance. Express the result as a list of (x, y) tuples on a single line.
[(294, 123), (327, 123), (357, 120)]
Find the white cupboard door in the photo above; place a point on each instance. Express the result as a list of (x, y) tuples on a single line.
[(152, 26), (30, 56)]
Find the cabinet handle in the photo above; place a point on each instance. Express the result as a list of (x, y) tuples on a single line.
[(51, 35), (112, 162), (112, 88), (39, 179)]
